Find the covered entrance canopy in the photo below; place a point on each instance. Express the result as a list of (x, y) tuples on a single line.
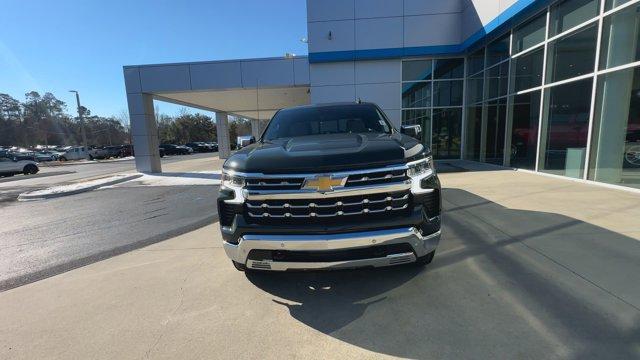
[(251, 88)]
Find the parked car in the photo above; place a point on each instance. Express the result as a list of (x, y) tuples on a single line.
[(12, 166), (199, 147), (74, 153), (46, 155), (113, 151), (172, 149), (289, 201), (213, 145)]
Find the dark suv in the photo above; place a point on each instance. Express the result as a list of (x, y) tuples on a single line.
[(330, 186)]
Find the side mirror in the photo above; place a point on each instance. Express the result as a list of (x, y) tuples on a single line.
[(252, 140), (415, 131)]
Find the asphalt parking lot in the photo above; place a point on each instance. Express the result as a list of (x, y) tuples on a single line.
[(529, 267), (52, 236)]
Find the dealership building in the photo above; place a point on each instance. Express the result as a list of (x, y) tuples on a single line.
[(546, 86)]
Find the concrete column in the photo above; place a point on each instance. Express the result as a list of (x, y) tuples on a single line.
[(222, 127), (256, 128), (144, 133)]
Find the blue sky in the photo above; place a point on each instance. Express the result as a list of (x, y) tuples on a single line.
[(57, 45)]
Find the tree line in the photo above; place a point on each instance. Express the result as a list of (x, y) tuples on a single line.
[(44, 120)]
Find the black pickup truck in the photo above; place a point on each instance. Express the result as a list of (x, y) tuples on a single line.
[(330, 186)]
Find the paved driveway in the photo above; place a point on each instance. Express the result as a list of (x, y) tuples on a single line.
[(529, 267)]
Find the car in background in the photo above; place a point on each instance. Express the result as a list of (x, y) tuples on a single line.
[(74, 153), (113, 151), (12, 166), (46, 155), (213, 145), (199, 147), (173, 149)]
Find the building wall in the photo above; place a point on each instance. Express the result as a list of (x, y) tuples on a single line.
[(360, 25), (377, 81), (348, 25)]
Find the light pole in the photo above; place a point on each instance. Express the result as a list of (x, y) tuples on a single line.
[(84, 134)]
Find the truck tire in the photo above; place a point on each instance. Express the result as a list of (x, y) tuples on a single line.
[(30, 169), (62, 158), (425, 260)]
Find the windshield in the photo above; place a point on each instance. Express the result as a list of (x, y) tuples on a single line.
[(337, 119)]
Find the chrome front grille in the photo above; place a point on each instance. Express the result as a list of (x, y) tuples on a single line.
[(330, 209), (274, 183), (378, 176)]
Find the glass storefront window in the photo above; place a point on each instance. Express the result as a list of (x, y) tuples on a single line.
[(446, 133), (615, 145), (475, 61), (420, 117), (572, 55), (527, 70), (473, 128), (524, 131), (565, 128), (416, 94), (610, 4), (447, 93), (620, 38), (496, 121), (448, 69), (570, 13), (529, 34), (416, 70), (498, 80), (498, 50), (474, 88)]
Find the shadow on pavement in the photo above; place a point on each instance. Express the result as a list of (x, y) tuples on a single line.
[(505, 283)]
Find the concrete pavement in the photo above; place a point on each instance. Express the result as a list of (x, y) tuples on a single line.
[(529, 267)]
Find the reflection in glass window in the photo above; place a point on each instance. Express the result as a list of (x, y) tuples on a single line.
[(474, 88), (524, 131), (529, 34), (446, 137), (573, 55), (615, 149), (528, 70), (565, 127), (474, 132), (620, 38), (610, 4), (448, 69), (498, 80), (415, 70), (417, 94), (475, 61), (420, 117), (498, 50), (447, 93), (496, 122), (570, 13)]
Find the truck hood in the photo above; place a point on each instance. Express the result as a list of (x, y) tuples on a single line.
[(326, 153)]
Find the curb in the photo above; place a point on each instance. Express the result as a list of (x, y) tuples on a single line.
[(82, 162), (28, 196)]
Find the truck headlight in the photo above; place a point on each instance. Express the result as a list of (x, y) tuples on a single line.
[(232, 181), (420, 167)]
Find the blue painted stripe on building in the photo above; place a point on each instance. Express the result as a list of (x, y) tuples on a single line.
[(519, 9)]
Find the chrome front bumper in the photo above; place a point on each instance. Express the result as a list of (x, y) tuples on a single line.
[(422, 245)]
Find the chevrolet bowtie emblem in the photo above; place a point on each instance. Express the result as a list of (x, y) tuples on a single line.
[(324, 183)]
